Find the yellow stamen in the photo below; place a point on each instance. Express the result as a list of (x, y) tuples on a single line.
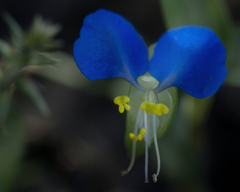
[(127, 107), (160, 109), (156, 109), (147, 106), (139, 136), (122, 101)]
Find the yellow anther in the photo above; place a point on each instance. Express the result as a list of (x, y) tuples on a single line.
[(122, 101), (156, 109), (160, 109), (127, 107), (165, 109), (139, 136), (133, 137), (121, 108), (147, 106)]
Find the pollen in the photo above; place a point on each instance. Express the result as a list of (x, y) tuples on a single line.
[(148, 106), (122, 101), (160, 109), (139, 136)]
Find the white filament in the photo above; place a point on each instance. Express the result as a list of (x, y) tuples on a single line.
[(134, 142), (170, 97), (156, 145), (146, 147)]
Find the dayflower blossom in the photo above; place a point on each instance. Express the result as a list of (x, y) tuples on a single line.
[(191, 58)]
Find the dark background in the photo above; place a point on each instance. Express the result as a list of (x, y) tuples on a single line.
[(80, 146)]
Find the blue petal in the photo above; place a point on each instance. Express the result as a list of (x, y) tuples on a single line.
[(191, 58), (108, 47)]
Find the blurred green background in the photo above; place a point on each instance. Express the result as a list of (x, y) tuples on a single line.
[(60, 132)]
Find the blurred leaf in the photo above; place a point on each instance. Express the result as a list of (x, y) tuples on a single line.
[(5, 104), (5, 49), (16, 33), (164, 121), (151, 50), (233, 77), (65, 72), (41, 35), (209, 13), (115, 87), (11, 151), (197, 110), (31, 91), (9, 76), (37, 58), (182, 145)]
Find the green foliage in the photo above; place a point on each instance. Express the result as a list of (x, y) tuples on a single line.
[(31, 91), (209, 13), (5, 105), (11, 150), (40, 35), (24, 50), (5, 49), (16, 32)]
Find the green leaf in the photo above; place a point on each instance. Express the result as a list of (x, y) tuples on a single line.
[(32, 92), (233, 78), (5, 104), (164, 121), (195, 111), (37, 58), (41, 35), (11, 151), (151, 50), (233, 59), (209, 13), (16, 32), (65, 72), (5, 49), (9, 76), (183, 142)]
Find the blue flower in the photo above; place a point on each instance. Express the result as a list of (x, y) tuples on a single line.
[(191, 58)]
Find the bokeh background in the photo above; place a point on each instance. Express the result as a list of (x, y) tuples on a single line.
[(79, 145)]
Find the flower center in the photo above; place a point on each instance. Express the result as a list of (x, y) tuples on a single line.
[(147, 119), (148, 81)]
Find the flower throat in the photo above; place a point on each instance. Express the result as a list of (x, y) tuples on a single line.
[(147, 120)]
